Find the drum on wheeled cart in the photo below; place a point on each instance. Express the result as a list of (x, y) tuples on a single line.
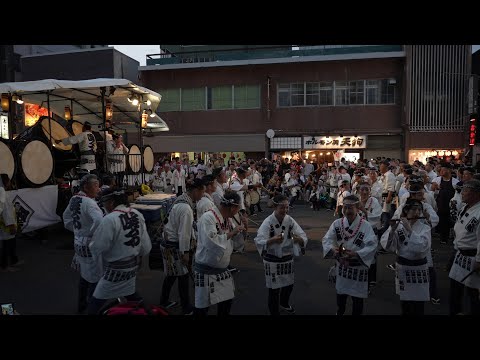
[(7, 163), (48, 131)]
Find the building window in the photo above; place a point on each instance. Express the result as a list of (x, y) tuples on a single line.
[(297, 93), (356, 92), (341, 93), (283, 95), (312, 94), (246, 97), (170, 100), (387, 91), (326, 93), (220, 98), (193, 99), (286, 143), (372, 92)]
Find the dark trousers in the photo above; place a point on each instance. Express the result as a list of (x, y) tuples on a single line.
[(252, 208), (183, 282), (357, 306), (444, 226), (9, 252), (95, 305), (223, 309), (372, 272), (119, 178), (179, 190), (456, 298), (432, 275), (333, 203), (278, 297), (85, 294), (385, 222), (415, 308)]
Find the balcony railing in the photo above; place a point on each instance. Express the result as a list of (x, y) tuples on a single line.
[(264, 53)]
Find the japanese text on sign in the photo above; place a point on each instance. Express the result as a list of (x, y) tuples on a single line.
[(335, 142)]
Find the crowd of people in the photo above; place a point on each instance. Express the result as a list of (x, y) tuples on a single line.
[(381, 205)]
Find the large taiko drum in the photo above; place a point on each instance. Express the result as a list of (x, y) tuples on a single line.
[(134, 159), (75, 127), (148, 159), (41, 131), (7, 160), (63, 155), (35, 163)]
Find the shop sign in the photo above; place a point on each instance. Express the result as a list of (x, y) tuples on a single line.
[(335, 142), (4, 126)]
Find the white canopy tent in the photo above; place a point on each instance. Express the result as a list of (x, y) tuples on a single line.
[(84, 97)]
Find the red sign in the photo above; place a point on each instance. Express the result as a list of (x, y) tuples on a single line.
[(473, 130)]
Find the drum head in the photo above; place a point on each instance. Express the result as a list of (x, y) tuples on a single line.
[(7, 164), (77, 127), (135, 158), (37, 162), (148, 160), (58, 133), (248, 199), (254, 197)]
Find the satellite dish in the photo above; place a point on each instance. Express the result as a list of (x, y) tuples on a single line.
[(270, 133)]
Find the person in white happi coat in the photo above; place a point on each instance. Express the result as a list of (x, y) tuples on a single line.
[(238, 185), (178, 243), (179, 176), (119, 243), (256, 179), (167, 175), (388, 195), (427, 195), (370, 210), (83, 216), (157, 182), (206, 202), (352, 242), (410, 238), (377, 189), (117, 158), (344, 191), (213, 280), (220, 185), (466, 265), (417, 192), (87, 144), (278, 240)]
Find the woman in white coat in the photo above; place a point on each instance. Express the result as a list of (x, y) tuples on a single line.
[(278, 240), (410, 239)]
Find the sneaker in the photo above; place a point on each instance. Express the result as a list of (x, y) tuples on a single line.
[(188, 313), (288, 309), (391, 267), (170, 304), (435, 301)]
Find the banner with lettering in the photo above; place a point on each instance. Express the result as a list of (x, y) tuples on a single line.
[(35, 207), (335, 142)]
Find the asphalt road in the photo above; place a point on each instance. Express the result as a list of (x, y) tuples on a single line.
[(46, 284)]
